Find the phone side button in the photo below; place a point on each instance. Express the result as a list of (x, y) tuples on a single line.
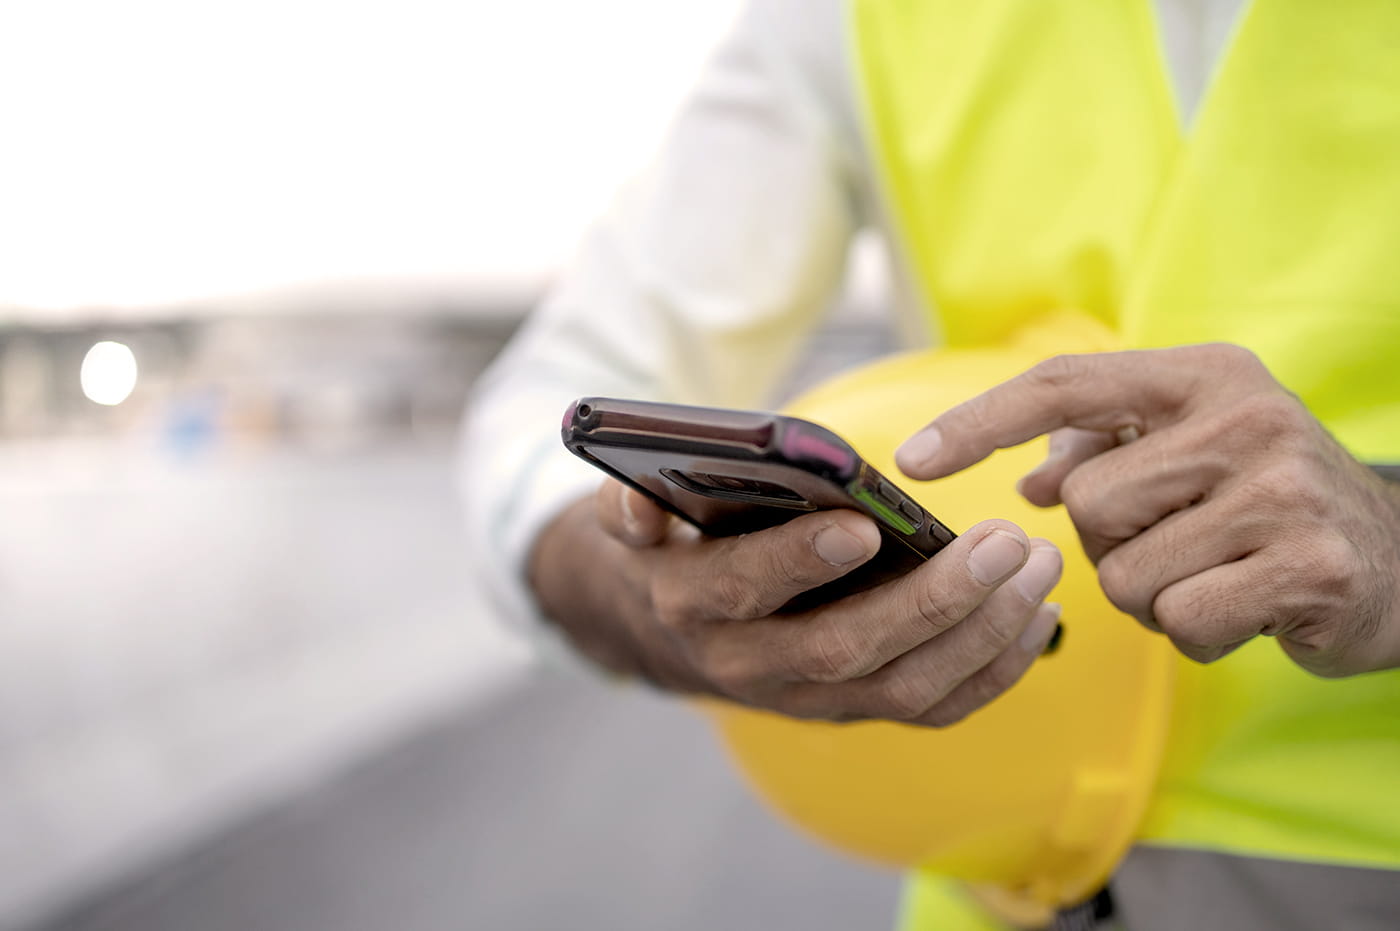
[(885, 512)]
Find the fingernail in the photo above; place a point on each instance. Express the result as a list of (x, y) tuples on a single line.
[(919, 448), (1039, 574), (837, 547), (995, 556), (1042, 629)]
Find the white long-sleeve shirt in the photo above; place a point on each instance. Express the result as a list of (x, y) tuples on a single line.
[(713, 266)]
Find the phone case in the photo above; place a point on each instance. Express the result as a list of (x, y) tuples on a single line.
[(730, 472)]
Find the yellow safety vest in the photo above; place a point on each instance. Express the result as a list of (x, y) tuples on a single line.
[(1031, 157)]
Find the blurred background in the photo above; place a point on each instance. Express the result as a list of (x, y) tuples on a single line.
[(252, 256)]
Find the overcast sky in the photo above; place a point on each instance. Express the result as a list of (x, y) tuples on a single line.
[(159, 151)]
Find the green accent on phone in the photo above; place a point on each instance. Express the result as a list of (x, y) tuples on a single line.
[(882, 510)]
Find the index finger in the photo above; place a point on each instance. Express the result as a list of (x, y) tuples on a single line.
[(629, 516), (1097, 391)]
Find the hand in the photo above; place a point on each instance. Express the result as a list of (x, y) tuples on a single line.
[(643, 593), (1229, 513)]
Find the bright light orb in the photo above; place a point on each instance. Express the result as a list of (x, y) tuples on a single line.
[(108, 375)]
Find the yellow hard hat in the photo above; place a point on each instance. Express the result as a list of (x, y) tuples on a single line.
[(1038, 795)]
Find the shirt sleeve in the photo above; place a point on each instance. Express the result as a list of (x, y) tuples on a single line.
[(698, 286)]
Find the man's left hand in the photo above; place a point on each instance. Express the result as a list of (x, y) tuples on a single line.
[(1214, 504)]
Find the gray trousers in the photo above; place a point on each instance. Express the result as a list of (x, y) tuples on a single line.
[(1167, 889)]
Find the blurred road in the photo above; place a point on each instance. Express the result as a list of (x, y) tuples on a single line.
[(260, 692), (250, 683), (561, 805), (186, 640)]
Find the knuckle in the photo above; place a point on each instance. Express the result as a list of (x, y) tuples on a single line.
[(736, 597), (1230, 356), (1187, 623), (1262, 420), (971, 417), (791, 575), (1319, 651), (1275, 412), (1193, 641), (991, 682), (1201, 652), (1077, 493), (1332, 564), (1122, 583), (1289, 486), (997, 630), (1087, 511), (829, 658), (732, 672), (671, 604), (1174, 610), (998, 678), (1224, 430), (1058, 371), (1310, 492), (904, 697), (1327, 668), (1326, 645), (935, 608), (1286, 481)]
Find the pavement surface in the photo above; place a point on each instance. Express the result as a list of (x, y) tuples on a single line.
[(562, 804), (256, 687)]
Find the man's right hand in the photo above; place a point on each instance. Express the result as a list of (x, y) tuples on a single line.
[(643, 593)]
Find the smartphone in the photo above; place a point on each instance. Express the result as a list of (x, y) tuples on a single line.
[(730, 472)]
